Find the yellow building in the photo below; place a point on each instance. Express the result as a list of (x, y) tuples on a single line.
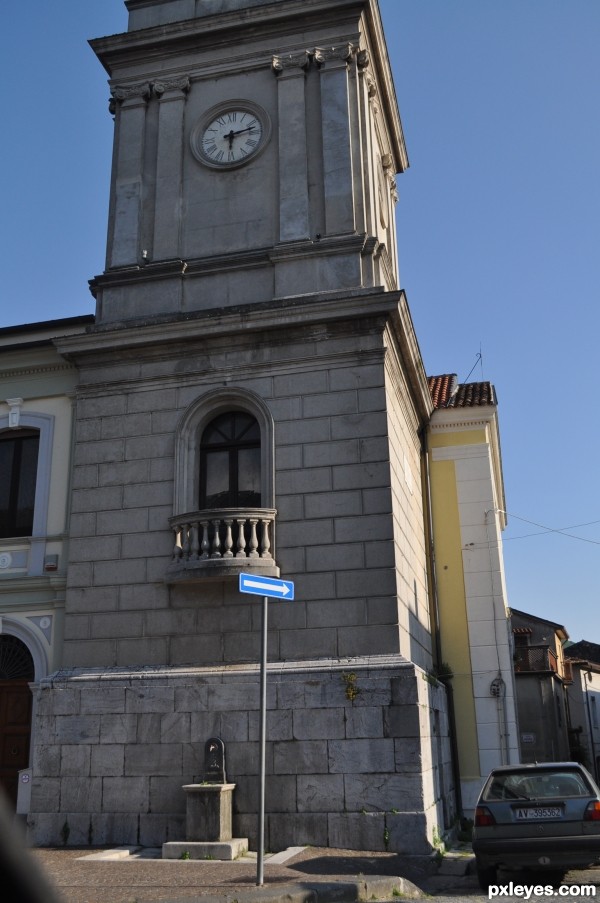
[(468, 516)]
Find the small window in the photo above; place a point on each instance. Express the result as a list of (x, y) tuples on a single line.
[(522, 639), (18, 466), (230, 464)]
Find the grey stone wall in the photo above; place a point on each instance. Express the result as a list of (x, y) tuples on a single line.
[(337, 527), (353, 754)]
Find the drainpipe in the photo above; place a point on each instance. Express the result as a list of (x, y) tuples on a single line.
[(435, 617), (588, 678)]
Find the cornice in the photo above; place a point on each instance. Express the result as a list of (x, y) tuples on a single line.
[(218, 263), (448, 420), (372, 665), (220, 28), (281, 313), (408, 345), (19, 372)]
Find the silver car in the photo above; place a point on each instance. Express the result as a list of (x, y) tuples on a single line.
[(542, 818)]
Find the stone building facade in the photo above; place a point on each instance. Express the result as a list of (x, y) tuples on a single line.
[(36, 423), (250, 398)]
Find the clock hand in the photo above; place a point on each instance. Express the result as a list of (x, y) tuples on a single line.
[(240, 131)]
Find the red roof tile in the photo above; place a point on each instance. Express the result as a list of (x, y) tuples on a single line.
[(446, 392)]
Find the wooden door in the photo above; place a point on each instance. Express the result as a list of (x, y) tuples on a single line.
[(15, 731)]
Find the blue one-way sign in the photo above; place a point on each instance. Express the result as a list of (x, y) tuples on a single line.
[(266, 586)]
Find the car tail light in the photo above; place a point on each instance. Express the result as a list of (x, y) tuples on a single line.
[(483, 817), (592, 811)]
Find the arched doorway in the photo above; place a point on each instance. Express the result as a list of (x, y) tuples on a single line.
[(16, 672)]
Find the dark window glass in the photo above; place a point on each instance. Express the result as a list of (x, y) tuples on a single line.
[(230, 462), (18, 472)]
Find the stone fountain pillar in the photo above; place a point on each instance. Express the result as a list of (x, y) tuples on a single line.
[(209, 814)]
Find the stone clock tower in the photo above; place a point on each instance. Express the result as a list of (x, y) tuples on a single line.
[(251, 398), (255, 155)]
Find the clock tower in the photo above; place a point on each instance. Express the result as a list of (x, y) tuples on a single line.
[(256, 150), (251, 398)]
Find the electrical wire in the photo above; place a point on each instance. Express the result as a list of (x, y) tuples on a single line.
[(562, 531)]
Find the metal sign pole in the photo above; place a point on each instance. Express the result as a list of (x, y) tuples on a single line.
[(263, 744), (267, 587)]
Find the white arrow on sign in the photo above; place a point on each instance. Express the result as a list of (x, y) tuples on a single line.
[(268, 587)]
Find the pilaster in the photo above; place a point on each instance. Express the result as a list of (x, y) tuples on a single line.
[(293, 158), (169, 166), (333, 65), (129, 104)]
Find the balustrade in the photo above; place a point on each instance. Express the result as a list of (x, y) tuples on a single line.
[(234, 537)]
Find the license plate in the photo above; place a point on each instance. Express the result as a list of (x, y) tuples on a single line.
[(532, 814)]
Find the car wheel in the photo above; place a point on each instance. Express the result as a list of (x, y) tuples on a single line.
[(486, 875)]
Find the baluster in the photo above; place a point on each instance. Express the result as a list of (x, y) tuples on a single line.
[(216, 543), (241, 540), (253, 538), (177, 546), (194, 545), (266, 541), (205, 545), (185, 545), (228, 538)]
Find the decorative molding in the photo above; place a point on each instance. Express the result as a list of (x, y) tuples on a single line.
[(363, 59), (343, 53), (43, 623), (175, 84), (33, 371), (123, 93), (129, 92), (300, 60), (14, 412), (11, 626)]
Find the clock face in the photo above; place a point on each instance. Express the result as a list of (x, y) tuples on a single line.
[(230, 135)]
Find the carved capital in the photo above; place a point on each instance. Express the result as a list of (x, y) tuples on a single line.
[(121, 94), (342, 53), (287, 61), (174, 84)]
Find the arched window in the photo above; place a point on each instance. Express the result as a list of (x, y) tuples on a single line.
[(224, 453), (224, 514), (16, 662), (230, 462), (18, 466)]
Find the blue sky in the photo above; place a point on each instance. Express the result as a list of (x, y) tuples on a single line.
[(498, 232)]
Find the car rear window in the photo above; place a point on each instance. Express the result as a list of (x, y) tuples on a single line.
[(539, 785)]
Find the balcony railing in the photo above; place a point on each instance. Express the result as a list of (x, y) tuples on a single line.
[(217, 542), (535, 658)]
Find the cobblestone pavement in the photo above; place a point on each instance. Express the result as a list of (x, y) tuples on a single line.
[(311, 874), (299, 875)]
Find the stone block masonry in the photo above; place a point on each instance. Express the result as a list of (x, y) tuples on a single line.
[(353, 757)]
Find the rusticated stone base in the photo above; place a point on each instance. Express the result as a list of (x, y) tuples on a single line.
[(358, 754)]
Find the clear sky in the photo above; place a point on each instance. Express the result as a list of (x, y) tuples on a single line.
[(498, 232)]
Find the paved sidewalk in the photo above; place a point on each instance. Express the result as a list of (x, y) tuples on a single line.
[(299, 875)]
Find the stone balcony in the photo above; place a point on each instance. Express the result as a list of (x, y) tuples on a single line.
[(217, 543)]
